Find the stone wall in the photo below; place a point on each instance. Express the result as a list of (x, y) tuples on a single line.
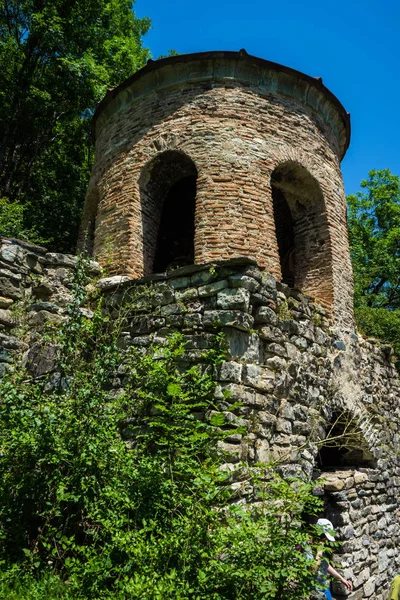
[(35, 290), (292, 372), (241, 126)]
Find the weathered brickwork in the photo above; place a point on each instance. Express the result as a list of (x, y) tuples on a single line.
[(246, 130), (290, 369)]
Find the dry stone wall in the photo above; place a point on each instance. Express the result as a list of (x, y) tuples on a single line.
[(35, 291), (292, 372), (286, 364)]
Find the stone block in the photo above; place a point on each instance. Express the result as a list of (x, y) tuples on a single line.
[(44, 290), (242, 281), (333, 484), (203, 277), (61, 260), (270, 334), (32, 263), (306, 330), (236, 299), (193, 321), (41, 359), (243, 345), (223, 318), (37, 319), (6, 318), (230, 371), (283, 426), (11, 253), (10, 287), (212, 289), (264, 314), (276, 363), (4, 367), (263, 453), (109, 283), (259, 377), (187, 295), (49, 306), (171, 309), (6, 302), (369, 588), (179, 282), (11, 343), (231, 452), (5, 355)]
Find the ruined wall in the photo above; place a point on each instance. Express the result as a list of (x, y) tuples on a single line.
[(35, 290), (235, 119), (293, 373), (284, 362)]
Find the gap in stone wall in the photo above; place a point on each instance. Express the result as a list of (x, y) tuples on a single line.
[(345, 446)]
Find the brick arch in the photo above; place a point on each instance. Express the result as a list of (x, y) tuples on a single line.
[(167, 186), (302, 231)]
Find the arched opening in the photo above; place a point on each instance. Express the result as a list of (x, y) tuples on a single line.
[(344, 446), (346, 471), (168, 195), (302, 231)]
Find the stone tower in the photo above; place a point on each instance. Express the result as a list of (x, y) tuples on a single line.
[(217, 155), (217, 177)]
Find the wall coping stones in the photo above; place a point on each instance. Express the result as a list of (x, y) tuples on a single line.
[(22, 244)]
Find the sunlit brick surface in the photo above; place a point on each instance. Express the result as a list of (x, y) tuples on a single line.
[(233, 121)]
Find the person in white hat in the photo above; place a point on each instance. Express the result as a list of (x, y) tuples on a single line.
[(323, 567)]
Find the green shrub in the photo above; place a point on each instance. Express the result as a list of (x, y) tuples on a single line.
[(381, 323), (12, 222), (111, 482)]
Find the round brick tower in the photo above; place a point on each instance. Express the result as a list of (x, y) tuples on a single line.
[(210, 156)]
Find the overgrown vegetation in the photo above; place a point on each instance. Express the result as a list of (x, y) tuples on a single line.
[(111, 481), (57, 60), (374, 228)]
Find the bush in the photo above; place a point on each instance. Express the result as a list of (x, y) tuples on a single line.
[(116, 491), (12, 222), (381, 323)]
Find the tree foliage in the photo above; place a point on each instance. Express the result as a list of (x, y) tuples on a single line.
[(118, 492), (374, 230), (374, 226), (57, 59)]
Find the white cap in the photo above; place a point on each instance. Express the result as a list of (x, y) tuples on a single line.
[(327, 527)]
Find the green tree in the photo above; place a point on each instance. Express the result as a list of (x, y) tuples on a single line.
[(57, 59), (374, 230)]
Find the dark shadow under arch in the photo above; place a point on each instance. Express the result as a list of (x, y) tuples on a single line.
[(168, 198), (345, 445), (302, 232)]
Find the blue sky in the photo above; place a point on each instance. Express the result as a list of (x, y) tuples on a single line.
[(354, 46)]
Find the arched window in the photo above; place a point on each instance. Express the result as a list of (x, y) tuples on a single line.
[(168, 197), (302, 231)]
